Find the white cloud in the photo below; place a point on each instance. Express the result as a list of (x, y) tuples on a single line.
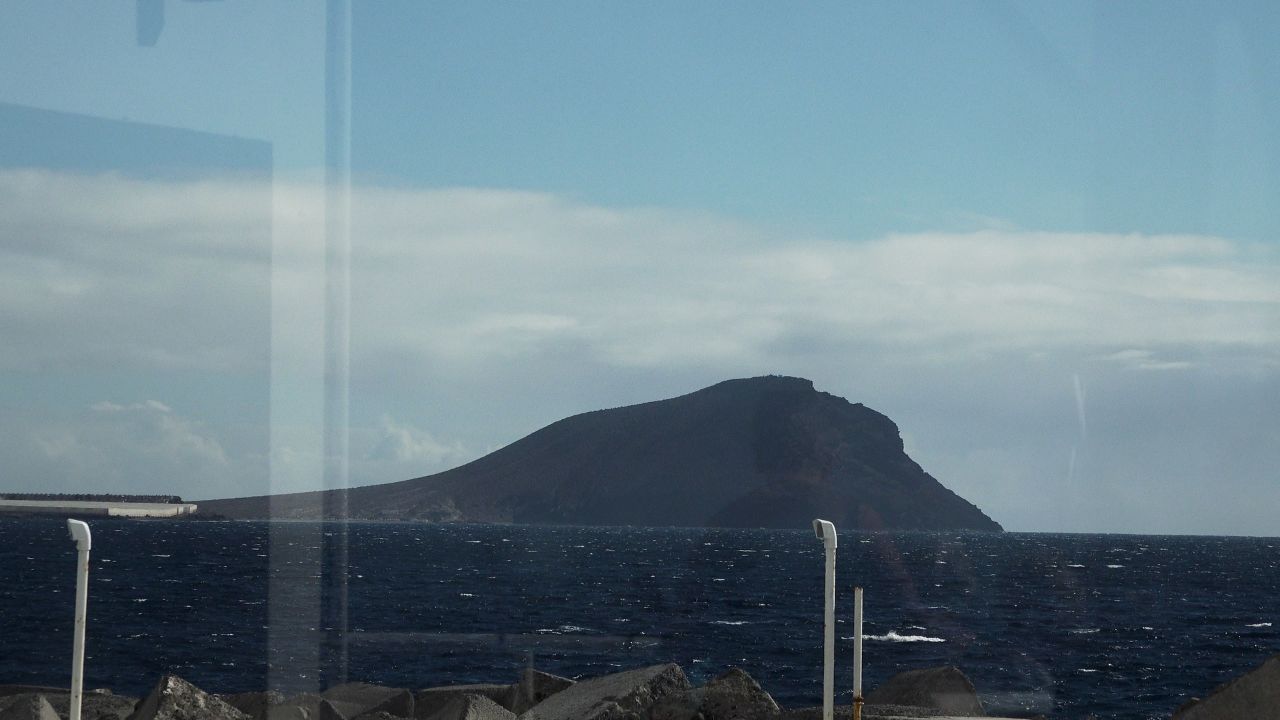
[(156, 274), (106, 406), (652, 289), (386, 451), (111, 447), (1146, 360), (106, 269), (403, 443)]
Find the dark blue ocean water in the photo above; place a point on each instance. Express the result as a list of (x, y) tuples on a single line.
[(1116, 625)]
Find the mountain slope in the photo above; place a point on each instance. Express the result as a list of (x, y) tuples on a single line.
[(760, 452)]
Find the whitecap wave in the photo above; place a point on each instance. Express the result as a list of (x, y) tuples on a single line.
[(563, 630), (1259, 625), (729, 622), (1084, 631), (892, 636)]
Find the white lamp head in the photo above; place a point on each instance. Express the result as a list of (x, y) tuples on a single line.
[(825, 531), (79, 531)]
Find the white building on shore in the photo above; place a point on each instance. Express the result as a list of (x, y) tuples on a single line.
[(101, 509)]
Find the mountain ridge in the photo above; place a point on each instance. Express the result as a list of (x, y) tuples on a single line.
[(770, 451)]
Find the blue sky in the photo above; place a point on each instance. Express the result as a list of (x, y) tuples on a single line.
[(853, 119), (1041, 237)]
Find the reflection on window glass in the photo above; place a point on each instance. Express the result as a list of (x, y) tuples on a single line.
[(432, 362)]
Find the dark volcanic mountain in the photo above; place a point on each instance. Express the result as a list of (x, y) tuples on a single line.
[(761, 452)]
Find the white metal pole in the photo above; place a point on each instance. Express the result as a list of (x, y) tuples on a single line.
[(80, 534), (857, 653), (827, 532)]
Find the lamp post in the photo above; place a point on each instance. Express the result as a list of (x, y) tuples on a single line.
[(826, 532), (857, 653), (79, 531)]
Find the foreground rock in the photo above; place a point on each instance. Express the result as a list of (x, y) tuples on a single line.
[(534, 687), (31, 706), (271, 705), (1252, 696), (429, 702), (308, 706), (97, 705), (256, 705), (399, 705), (659, 692), (473, 707), (327, 711), (868, 711), (364, 698), (46, 690), (94, 705), (940, 688), (621, 696), (176, 699), (735, 695)]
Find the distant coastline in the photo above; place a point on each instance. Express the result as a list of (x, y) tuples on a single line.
[(93, 497), (21, 505)]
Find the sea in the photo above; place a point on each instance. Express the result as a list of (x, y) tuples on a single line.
[(1115, 626)]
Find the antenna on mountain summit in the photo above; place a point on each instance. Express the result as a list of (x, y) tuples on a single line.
[(826, 532)]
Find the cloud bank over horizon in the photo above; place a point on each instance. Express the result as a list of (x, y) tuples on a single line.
[(1063, 381)]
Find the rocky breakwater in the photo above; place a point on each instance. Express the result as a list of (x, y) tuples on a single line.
[(1256, 694), (658, 692)]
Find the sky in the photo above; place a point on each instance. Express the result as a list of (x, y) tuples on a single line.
[(1042, 238)]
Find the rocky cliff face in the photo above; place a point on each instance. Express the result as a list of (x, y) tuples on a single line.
[(760, 452)]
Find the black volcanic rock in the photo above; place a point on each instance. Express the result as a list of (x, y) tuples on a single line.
[(176, 699), (735, 695), (627, 695), (28, 707), (943, 688), (534, 687), (760, 452)]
